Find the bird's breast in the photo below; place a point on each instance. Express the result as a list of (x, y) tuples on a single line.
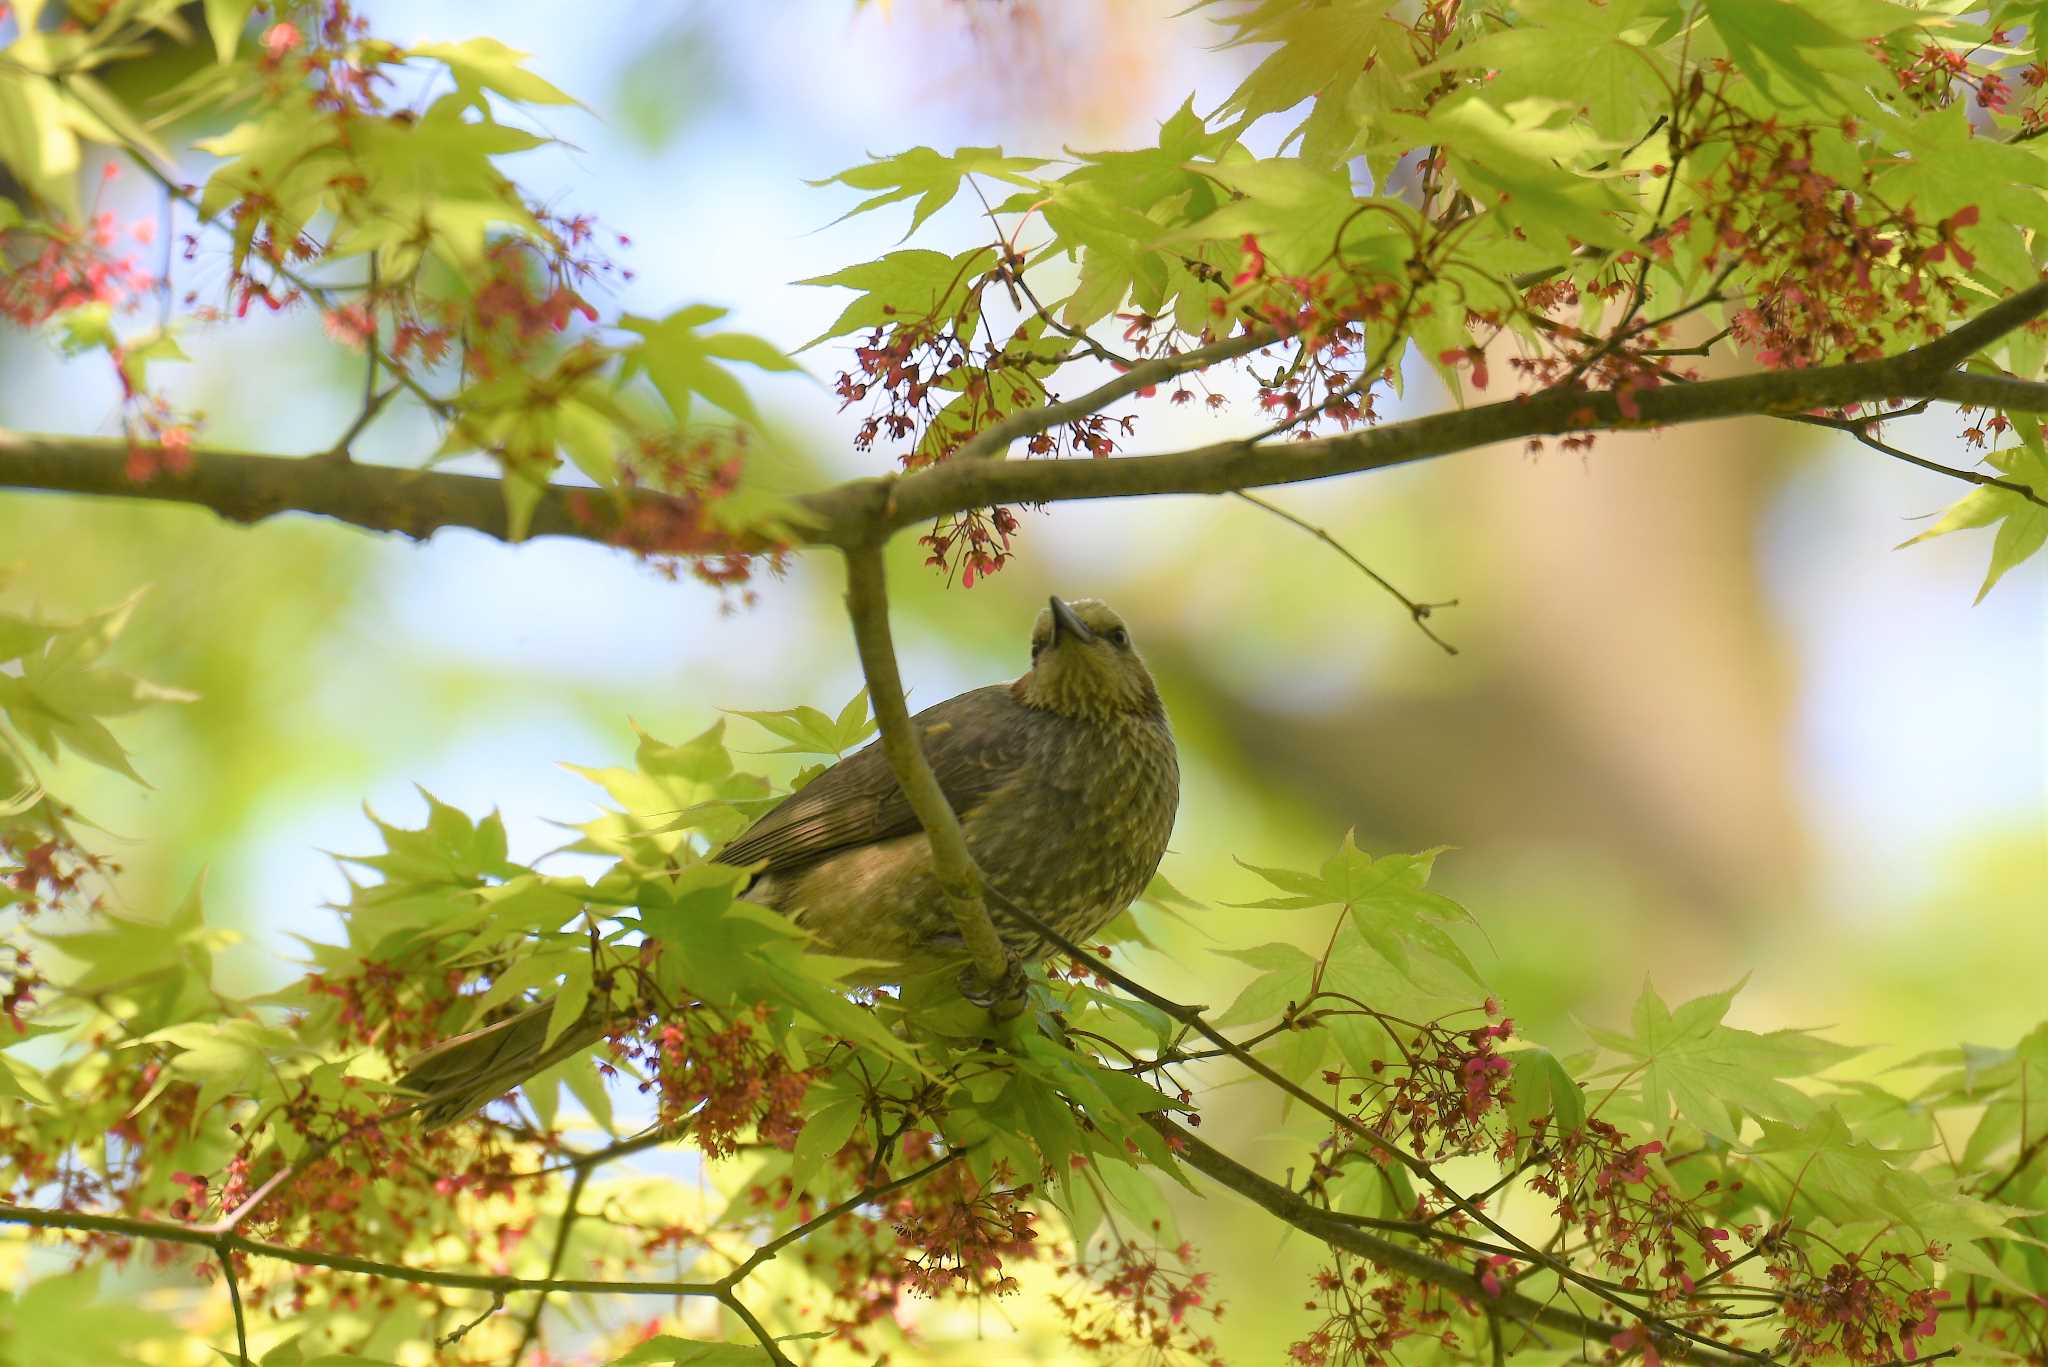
[(1080, 829)]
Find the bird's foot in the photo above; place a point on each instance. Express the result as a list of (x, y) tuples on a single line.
[(1003, 999)]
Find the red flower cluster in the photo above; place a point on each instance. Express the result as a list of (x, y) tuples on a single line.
[(72, 267), (1132, 1297), (1641, 1228), (1440, 1092), (722, 1081), (1866, 1309), (1367, 1311), (949, 1234)]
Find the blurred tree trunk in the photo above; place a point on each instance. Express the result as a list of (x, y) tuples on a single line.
[(1621, 690)]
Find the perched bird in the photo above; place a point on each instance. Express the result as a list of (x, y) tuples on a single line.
[(1065, 781)]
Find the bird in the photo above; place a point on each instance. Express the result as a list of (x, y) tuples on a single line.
[(1066, 782)]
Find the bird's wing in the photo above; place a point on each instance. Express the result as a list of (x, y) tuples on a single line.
[(975, 743)]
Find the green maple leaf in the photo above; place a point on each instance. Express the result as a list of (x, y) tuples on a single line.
[(1325, 52), (1714, 1074), (810, 732), (225, 20), (450, 850), (666, 1350), (906, 286), (224, 1058), (1830, 1165), (64, 1321), (1542, 1087), (62, 691), (681, 361), (2022, 522), (1304, 217), (1769, 39), (1606, 48), (1286, 972), (1523, 153), (480, 64), (162, 965), (929, 178), (1388, 903)]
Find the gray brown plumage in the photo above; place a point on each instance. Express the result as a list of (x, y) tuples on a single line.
[(1066, 784)]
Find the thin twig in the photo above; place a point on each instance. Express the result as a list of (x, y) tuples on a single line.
[(755, 1327), (1029, 422), (201, 1237), (372, 406), (530, 1330), (232, 1220), (227, 1272), (1289, 1206), (1418, 611), (2027, 1156), (461, 1331), (370, 346), (825, 1217), (652, 1137), (1479, 1197), (1860, 429)]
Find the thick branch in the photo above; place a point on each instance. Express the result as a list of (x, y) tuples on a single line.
[(1229, 466), (867, 605), (381, 498), (248, 488), (2011, 314), (1295, 1209)]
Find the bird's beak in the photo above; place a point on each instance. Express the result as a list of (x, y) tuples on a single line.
[(1065, 623)]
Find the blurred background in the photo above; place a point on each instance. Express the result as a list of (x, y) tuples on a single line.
[(1704, 721)]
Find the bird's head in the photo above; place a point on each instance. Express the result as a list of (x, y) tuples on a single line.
[(1084, 665)]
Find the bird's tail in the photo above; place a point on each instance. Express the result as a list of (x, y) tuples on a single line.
[(461, 1075)]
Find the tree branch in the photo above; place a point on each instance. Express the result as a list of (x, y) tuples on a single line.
[(227, 1272), (1296, 1210), (249, 488), (867, 605), (165, 1231), (1029, 422), (380, 498), (759, 1330), (1379, 1144), (529, 1330), (1419, 612), (1860, 430), (825, 1217)]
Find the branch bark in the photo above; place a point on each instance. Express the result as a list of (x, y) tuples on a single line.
[(1291, 1207), (867, 605), (249, 488)]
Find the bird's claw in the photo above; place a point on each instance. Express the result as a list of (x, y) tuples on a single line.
[(1005, 998)]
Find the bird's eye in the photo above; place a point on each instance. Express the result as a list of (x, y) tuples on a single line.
[(1120, 638)]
